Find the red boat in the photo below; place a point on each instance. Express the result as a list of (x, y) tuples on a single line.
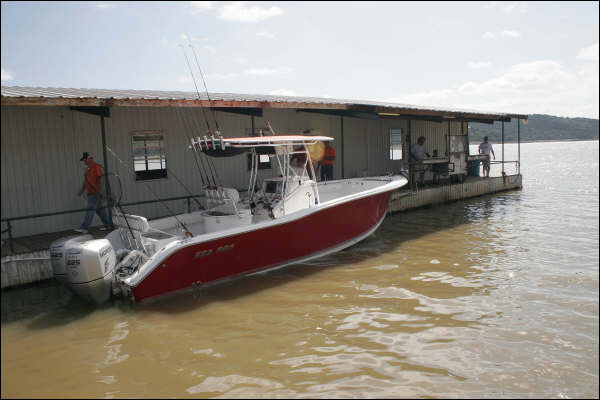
[(288, 219)]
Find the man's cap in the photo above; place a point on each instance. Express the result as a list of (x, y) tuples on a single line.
[(85, 155)]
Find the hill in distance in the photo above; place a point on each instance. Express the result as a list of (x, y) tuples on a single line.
[(539, 128)]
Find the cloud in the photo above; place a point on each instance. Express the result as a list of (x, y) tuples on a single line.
[(511, 34), (269, 71), (283, 92), (589, 53), (542, 86), (238, 11), (105, 5), (479, 64), (198, 7), (6, 76), (489, 35)]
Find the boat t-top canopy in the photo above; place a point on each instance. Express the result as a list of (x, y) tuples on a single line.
[(222, 147)]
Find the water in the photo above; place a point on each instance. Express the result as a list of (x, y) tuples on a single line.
[(491, 297)]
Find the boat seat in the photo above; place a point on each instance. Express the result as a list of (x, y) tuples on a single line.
[(134, 222)]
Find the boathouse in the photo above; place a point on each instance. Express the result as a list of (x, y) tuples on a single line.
[(46, 130)]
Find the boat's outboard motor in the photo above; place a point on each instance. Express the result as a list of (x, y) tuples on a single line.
[(91, 269), (58, 255)]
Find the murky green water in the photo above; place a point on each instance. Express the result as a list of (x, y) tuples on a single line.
[(491, 297)]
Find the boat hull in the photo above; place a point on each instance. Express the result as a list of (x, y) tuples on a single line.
[(326, 230)]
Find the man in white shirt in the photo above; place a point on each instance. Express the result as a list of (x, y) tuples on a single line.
[(417, 154), (486, 148)]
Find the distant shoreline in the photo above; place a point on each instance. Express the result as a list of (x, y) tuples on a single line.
[(540, 141)]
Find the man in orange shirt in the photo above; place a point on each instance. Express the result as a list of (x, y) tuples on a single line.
[(327, 163), (94, 186)]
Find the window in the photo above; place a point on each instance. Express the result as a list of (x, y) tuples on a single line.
[(149, 157), (264, 161), (395, 144)]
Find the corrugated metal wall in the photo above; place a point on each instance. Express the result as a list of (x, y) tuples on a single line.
[(41, 147), (436, 134)]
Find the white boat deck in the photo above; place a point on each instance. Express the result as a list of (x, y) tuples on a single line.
[(337, 189), (196, 222)]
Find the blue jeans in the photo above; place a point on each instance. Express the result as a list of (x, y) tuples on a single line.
[(94, 202)]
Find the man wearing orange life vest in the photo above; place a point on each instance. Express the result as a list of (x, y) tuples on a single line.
[(327, 163)]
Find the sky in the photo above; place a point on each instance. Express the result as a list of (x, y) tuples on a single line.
[(521, 57)]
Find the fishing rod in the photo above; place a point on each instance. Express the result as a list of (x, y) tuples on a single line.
[(118, 207), (210, 162), (204, 82), (196, 86), (201, 170), (211, 166), (153, 193), (203, 159)]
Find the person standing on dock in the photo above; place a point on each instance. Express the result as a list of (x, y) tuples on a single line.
[(486, 148), (417, 155), (94, 186), (327, 162)]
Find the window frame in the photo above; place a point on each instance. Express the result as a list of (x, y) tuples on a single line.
[(148, 173), (395, 145)]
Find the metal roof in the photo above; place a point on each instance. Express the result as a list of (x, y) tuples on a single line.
[(38, 96)]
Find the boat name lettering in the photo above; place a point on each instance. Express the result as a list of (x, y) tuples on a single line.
[(225, 248), (56, 254), (203, 253), (75, 261), (208, 252)]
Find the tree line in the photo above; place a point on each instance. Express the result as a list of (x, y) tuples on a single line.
[(540, 127)]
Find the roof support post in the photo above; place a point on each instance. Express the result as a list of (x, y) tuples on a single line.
[(106, 182), (462, 132), (411, 167), (101, 112), (448, 140), (342, 140), (518, 147), (503, 148)]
